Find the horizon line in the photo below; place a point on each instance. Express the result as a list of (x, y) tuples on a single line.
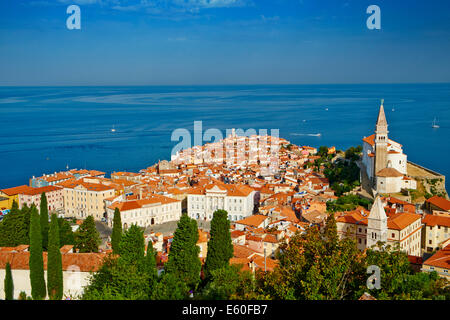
[(227, 84)]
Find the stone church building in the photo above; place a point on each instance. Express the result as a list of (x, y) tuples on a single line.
[(384, 160)]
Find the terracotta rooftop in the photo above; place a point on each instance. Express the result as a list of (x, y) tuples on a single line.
[(432, 220), (16, 190), (401, 220), (440, 202), (253, 220), (440, 259), (86, 262), (389, 172)]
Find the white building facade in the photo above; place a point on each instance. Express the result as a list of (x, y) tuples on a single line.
[(146, 212), (238, 201)]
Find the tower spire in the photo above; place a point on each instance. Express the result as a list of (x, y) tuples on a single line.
[(381, 142), (381, 121)]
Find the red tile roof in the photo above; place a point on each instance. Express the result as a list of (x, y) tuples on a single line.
[(432, 220), (85, 262), (389, 172), (36, 191), (16, 190), (440, 259), (440, 202)]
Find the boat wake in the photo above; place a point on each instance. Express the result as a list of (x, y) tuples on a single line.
[(307, 134)]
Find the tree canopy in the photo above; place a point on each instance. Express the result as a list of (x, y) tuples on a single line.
[(87, 238), (220, 247), (183, 261)]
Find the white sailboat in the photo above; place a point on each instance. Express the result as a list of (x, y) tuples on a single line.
[(434, 124), (113, 129)]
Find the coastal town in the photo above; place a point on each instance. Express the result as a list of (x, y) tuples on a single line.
[(271, 190)]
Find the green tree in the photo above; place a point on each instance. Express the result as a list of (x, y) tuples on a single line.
[(44, 220), (183, 261), (398, 281), (229, 282), (150, 266), (54, 262), (124, 277), (220, 247), (170, 287), (15, 227), (87, 238), (346, 203), (315, 266), (66, 236), (9, 285), (116, 231), (323, 151), (36, 261), (117, 279), (132, 245)]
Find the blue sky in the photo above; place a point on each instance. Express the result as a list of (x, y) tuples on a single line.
[(185, 42)]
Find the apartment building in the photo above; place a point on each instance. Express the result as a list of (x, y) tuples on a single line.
[(237, 200), (156, 209), (54, 194), (83, 199), (436, 230)]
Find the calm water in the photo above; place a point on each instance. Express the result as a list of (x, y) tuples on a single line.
[(44, 129)]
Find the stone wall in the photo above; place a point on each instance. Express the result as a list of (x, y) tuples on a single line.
[(432, 181)]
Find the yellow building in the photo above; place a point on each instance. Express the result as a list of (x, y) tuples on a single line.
[(82, 199), (439, 262), (436, 231), (10, 195), (4, 203)]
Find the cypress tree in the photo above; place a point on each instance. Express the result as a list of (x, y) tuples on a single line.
[(54, 262), (44, 220), (132, 245), (150, 266), (330, 233), (9, 286), (65, 232), (220, 246), (184, 262), (87, 238), (14, 207), (36, 261), (116, 231)]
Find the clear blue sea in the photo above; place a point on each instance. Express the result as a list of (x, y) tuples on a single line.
[(44, 129)]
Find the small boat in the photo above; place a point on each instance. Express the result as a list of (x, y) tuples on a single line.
[(393, 109), (434, 124), (326, 109), (113, 130)]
